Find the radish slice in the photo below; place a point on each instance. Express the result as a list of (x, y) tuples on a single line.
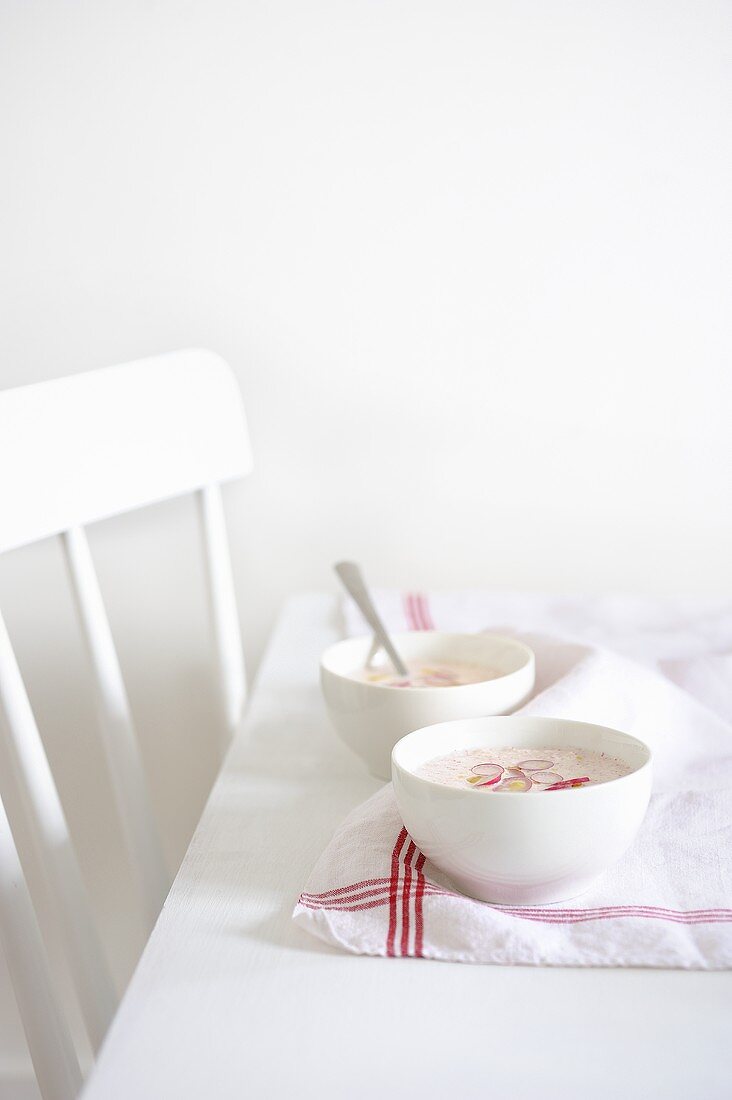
[(489, 771), (567, 784), (514, 783), (536, 765), (516, 771), (481, 781), (488, 783), (546, 777)]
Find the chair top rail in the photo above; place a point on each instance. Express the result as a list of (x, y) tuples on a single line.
[(93, 445)]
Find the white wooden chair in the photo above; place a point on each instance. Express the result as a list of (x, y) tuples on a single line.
[(73, 451)]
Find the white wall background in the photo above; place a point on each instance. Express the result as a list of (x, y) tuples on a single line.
[(468, 260)]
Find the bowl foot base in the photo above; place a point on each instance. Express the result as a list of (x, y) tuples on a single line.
[(517, 895)]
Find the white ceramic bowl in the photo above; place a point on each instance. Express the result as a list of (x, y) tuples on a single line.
[(521, 849), (371, 718)]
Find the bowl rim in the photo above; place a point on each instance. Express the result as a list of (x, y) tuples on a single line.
[(472, 791), (529, 661)]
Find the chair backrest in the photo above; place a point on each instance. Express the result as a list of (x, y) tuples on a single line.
[(81, 449)]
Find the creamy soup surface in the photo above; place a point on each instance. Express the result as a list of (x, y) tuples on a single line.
[(432, 674), (523, 770)]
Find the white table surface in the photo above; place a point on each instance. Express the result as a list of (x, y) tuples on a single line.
[(230, 999)]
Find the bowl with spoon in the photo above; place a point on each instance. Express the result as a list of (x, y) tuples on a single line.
[(380, 687)]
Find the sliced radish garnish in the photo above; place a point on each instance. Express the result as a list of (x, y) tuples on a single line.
[(481, 781), (490, 771), (488, 783), (546, 777), (514, 783), (536, 765), (567, 784)]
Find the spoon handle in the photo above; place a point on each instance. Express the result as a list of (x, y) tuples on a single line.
[(353, 582)]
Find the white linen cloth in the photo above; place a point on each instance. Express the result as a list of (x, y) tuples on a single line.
[(659, 670)]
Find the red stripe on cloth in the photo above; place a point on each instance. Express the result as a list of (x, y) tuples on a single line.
[(391, 932), (357, 890), (424, 612), (349, 889), (419, 611), (342, 907), (599, 910), (416, 611), (418, 624), (580, 918), (382, 898), (406, 896), (409, 611), (610, 912), (348, 896), (346, 899), (418, 909)]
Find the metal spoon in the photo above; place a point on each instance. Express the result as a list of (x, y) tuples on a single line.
[(353, 582)]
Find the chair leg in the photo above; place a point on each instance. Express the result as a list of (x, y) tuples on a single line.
[(51, 1049)]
